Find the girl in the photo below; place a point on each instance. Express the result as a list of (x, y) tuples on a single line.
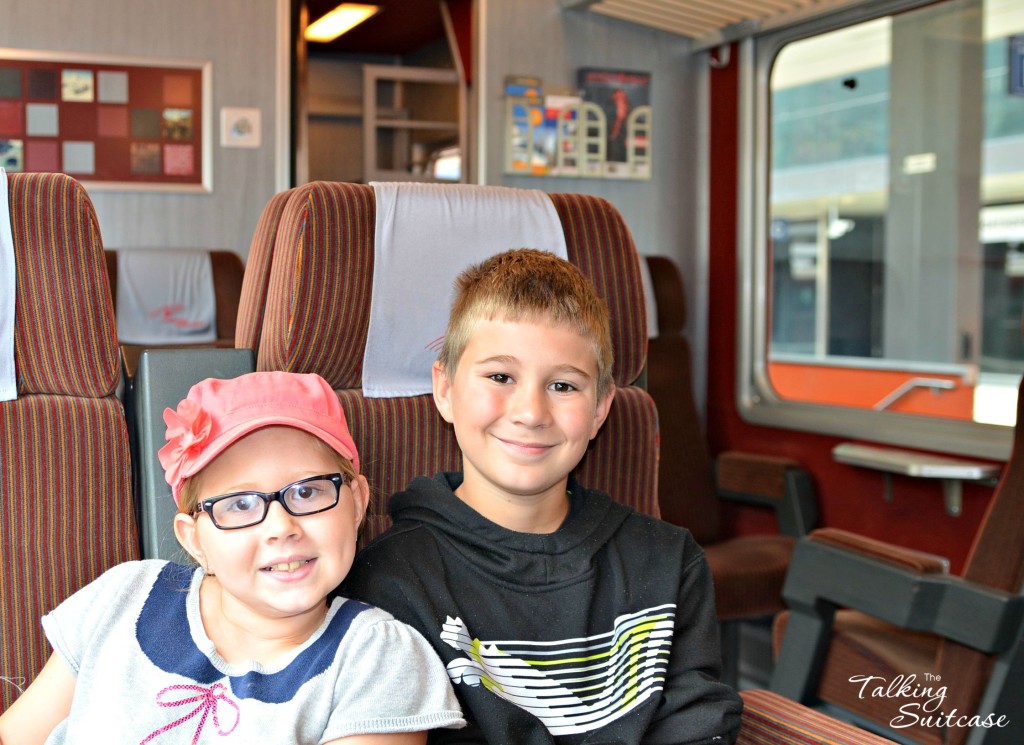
[(245, 647)]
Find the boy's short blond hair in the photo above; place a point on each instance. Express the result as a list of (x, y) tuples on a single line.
[(527, 284)]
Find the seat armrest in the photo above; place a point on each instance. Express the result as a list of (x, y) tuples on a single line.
[(769, 481), (908, 558), (823, 577), (162, 379), (978, 616), (770, 719)]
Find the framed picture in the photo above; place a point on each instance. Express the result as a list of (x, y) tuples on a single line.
[(603, 129), (625, 99), (114, 123), (239, 127)]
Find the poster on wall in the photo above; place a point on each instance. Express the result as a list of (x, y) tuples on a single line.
[(113, 123), (625, 98), (601, 129)]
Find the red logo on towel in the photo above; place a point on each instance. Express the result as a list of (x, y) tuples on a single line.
[(166, 315)]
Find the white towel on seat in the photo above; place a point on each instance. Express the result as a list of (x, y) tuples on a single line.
[(8, 287), (426, 234), (165, 296)]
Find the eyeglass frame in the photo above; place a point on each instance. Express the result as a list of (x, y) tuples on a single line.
[(339, 479)]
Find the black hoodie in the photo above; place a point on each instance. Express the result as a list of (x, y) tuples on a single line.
[(601, 632)]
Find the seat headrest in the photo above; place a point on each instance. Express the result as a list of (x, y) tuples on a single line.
[(317, 310), (669, 295), (253, 298), (65, 338)]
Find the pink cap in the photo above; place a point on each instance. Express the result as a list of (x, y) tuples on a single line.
[(217, 413)]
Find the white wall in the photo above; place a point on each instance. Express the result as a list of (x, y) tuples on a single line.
[(528, 37), (541, 38), (240, 38)]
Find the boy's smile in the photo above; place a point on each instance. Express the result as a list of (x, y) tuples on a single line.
[(524, 404)]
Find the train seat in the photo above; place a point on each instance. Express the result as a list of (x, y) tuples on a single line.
[(771, 719), (253, 296), (748, 571), (65, 483), (865, 615), (317, 315), (226, 270), (316, 320)]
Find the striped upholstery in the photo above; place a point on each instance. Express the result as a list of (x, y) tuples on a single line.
[(770, 719), (397, 439), (601, 246), (318, 306), (317, 315), (65, 342), (65, 482), (249, 321), (623, 458)]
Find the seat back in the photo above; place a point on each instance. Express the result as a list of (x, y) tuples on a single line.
[(317, 316), (687, 459), (65, 480), (887, 633), (162, 379), (253, 297), (228, 271)]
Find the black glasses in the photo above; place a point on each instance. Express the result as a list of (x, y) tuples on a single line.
[(247, 508)]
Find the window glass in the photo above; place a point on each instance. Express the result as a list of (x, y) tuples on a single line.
[(895, 271)]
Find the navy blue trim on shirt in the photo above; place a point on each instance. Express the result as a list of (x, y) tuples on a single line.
[(163, 634)]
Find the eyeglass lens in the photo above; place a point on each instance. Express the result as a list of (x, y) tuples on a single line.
[(301, 498)]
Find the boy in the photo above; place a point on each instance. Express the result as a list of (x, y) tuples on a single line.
[(562, 616)]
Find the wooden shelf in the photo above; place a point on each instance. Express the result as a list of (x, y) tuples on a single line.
[(417, 124), (335, 109), (399, 119)]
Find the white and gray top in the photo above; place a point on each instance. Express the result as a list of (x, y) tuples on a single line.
[(147, 672)]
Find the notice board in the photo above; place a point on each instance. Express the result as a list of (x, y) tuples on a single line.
[(112, 123)]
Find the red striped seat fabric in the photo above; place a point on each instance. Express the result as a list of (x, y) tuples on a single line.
[(65, 482), (253, 298), (317, 314), (770, 719)]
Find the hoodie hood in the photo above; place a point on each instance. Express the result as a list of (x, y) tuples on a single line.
[(527, 560)]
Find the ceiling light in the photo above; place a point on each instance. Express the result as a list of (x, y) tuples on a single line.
[(343, 18)]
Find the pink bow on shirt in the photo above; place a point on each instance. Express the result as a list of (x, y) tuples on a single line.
[(207, 700)]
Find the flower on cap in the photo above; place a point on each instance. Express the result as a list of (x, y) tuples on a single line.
[(188, 429)]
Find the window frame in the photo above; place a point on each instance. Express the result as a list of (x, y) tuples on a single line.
[(756, 400)]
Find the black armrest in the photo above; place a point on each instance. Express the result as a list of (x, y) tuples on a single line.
[(767, 481), (952, 607), (823, 578), (163, 378)]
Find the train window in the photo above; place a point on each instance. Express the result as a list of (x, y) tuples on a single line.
[(888, 226)]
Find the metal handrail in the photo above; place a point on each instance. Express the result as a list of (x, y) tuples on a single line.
[(906, 386)]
